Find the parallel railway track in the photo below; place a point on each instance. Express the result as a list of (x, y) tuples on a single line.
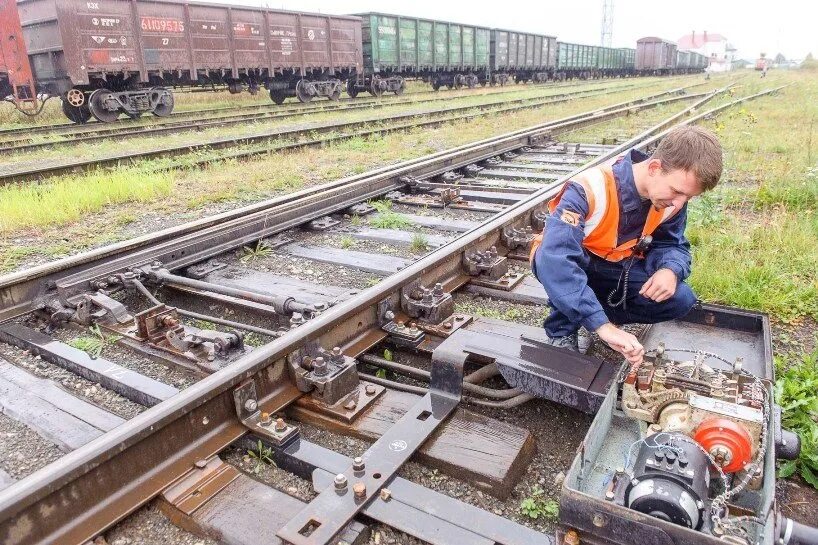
[(86, 491), (353, 129), (264, 111)]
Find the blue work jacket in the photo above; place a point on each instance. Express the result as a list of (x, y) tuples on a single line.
[(561, 260)]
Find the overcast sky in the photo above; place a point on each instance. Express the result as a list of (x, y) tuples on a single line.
[(782, 26)]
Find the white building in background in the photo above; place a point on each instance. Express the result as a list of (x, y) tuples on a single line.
[(712, 45)]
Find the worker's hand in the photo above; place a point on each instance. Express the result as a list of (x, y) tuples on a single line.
[(623, 342), (661, 286)]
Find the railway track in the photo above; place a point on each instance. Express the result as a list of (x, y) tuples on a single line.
[(101, 133), (250, 110), (15, 172), (476, 204)]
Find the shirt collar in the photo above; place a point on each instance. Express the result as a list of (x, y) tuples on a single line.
[(629, 199)]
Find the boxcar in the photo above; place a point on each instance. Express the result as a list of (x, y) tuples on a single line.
[(521, 56), (396, 47), (655, 56), (107, 57)]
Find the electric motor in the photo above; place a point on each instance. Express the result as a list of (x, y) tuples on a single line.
[(670, 480)]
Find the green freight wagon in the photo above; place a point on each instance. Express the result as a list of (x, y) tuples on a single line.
[(629, 57), (522, 56), (440, 52), (576, 60)]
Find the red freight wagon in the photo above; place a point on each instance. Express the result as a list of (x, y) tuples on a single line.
[(107, 57), (655, 56)]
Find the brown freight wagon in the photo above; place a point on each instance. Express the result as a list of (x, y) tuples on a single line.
[(655, 56), (107, 57)]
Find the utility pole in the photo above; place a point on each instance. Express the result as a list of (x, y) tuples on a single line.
[(607, 23)]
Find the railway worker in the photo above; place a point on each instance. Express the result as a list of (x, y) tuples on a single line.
[(614, 251)]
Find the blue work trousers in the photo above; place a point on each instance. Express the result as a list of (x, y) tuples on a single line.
[(603, 277)]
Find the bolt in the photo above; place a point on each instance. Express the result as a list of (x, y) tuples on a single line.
[(200, 464), (280, 425), (413, 326), (265, 419), (600, 520), (386, 494), (358, 464), (336, 351), (370, 390), (609, 495), (389, 315), (401, 324), (350, 405), (250, 405), (359, 489), (438, 290), (319, 367), (340, 482), (571, 538), (447, 325)]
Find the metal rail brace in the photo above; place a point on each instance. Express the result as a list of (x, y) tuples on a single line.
[(335, 506)]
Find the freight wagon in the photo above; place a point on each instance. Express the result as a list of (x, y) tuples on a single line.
[(397, 47), (108, 57), (689, 62), (16, 80), (525, 57), (591, 61), (655, 56)]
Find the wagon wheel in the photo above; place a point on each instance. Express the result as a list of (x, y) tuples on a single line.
[(301, 91), (164, 106), (277, 96), (77, 114), (336, 94), (436, 84), (401, 88), (96, 103), (352, 90), (471, 83)]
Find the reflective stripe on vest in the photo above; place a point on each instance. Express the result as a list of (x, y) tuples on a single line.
[(602, 222)]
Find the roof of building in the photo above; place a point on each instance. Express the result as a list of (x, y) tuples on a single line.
[(696, 40)]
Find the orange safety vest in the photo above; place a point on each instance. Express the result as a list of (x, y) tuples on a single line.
[(602, 221)]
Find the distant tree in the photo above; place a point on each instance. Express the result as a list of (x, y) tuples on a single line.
[(809, 57), (780, 59)]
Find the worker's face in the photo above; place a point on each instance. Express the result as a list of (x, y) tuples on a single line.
[(671, 188)]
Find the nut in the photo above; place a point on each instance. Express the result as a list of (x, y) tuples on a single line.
[(359, 489), (250, 405), (340, 481), (571, 538), (386, 494), (370, 390), (265, 419), (350, 405), (280, 425), (358, 464)]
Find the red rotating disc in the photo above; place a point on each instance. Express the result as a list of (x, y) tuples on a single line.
[(720, 432)]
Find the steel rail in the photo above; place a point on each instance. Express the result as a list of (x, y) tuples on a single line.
[(105, 132), (19, 291), (9, 176), (107, 129), (133, 462)]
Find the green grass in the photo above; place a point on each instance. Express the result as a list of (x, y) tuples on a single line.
[(795, 392), (251, 253), (420, 243), (754, 237), (70, 198), (347, 242), (95, 343), (386, 218)]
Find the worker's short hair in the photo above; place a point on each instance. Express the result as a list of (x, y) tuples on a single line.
[(692, 149)]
